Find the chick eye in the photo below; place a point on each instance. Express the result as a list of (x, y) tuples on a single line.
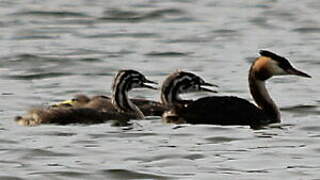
[(137, 82)]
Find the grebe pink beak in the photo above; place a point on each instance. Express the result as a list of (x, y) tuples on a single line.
[(296, 72)]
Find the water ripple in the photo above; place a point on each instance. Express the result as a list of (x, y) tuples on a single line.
[(74, 174), (122, 135), (34, 153), (307, 30), (7, 141), (129, 174), (57, 133), (50, 13), (33, 37), (38, 75), (220, 139), (118, 15), (53, 49), (310, 109), (167, 54), (122, 35), (10, 178)]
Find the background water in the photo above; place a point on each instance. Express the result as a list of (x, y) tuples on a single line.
[(51, 50)]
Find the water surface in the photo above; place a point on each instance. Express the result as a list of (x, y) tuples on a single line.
[(51, 50)]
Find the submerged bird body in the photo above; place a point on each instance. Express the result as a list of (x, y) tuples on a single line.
[(63, 116), (229, 110), (83, 110), (104, 104)]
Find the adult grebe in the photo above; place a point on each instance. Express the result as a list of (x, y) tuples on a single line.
[(124, 81), (228, 110)]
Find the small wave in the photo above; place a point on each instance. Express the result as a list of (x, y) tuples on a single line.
[(122, 35), (10, 178), (298, 107), (313, 128), (63, 174), (232, 170), (307, 30), (6, 141), (91, 60), (34, 153), (26, 56), (128, 174), (118, 15), (220, 139), (262, 22), (225, 31), (310, 109), (50, 13), (122, 135), (34, 37), (194, 156), (37, 76), (189, 40), (32, 58), (65, 134), (167, 54), (181, 20), (301, 167)]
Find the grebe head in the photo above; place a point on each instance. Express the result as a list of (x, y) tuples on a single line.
[(193, 83), (124, 81), (77, 101), (181, 82), (129, 79), (270, 64)]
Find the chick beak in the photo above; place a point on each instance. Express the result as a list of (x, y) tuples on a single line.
[(148, 86), (209, 84), (207, 89), (70, 101), (296, 72)]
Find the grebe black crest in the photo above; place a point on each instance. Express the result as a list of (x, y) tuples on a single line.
[(229, 110), (124, 81)]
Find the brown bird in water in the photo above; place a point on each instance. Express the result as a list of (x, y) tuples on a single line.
[(125, 109), (104, 104)]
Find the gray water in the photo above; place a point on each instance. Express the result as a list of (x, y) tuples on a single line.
[(51, 50)]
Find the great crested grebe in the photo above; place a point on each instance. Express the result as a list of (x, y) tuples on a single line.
[(229, 110), (124, 81)]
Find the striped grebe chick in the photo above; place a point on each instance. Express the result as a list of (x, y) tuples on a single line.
[(104, 104), (124, 81), (173, 86), (229, 110)]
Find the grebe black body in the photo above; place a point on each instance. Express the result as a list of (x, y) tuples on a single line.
[(223, 110), (229, 110), (124, 81)]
